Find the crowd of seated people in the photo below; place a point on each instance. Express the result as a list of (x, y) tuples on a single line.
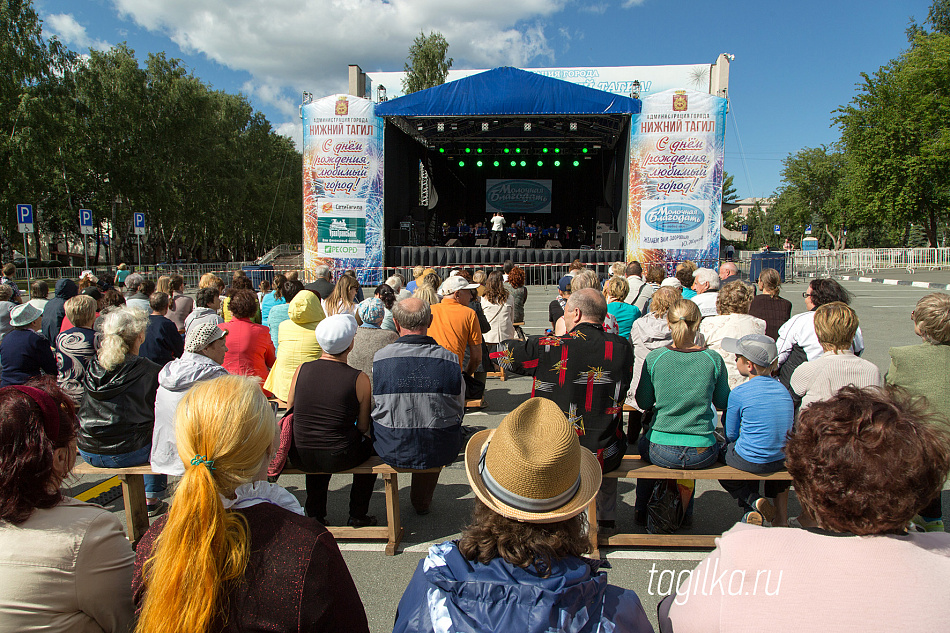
[(120, 385)]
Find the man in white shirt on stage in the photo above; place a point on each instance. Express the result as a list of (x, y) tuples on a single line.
[(497, 229)]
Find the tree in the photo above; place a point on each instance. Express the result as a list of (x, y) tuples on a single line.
[(729, 193), (938, 17), (427, 65), (896, 133), (814, 191)]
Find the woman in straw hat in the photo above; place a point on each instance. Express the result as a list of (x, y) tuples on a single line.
[(234, 552), (519, 566)]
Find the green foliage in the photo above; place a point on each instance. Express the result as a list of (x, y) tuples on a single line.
[(116, 136), (814, 191), (896, 132), (427, 65), (729, 192)]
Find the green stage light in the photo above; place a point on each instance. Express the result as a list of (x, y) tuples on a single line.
[(517, 150), (468, 150), (523, 163), (479, 150), (557, 150), (507, 151), (557, 163), (441, 150), (540, 163), (513, 163), (478, 164), (584, 150), (544, 150), (496, 163), (462, 163), (577, 163)]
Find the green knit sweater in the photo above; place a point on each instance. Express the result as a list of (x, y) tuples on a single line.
[(923, 370), (681, 385)]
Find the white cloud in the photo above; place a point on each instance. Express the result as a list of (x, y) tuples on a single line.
[(599, 8), (289, 46), (628, 4), (71, 32)]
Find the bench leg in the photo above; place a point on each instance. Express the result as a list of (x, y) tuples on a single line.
[(136, 514), (393, 521), (592, 528)]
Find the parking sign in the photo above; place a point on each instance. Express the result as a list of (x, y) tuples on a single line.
[(808, 229), (24, 217), (778, 229), (138, 223), (85, 222)]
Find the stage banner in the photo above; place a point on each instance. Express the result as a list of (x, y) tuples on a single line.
[(517, 196), (343, 187), (677, 145)]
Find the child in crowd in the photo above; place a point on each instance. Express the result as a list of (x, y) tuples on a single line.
[(759, 416), (820, 379), (162, 343), (922, 370)]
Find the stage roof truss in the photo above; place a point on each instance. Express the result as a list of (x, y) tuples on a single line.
[(434, 132)]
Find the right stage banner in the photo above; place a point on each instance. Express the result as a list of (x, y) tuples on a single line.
[(677, 147)]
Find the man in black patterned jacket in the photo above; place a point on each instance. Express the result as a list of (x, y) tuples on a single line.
[(587, 372)]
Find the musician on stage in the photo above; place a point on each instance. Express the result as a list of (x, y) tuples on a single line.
[(497, 229)]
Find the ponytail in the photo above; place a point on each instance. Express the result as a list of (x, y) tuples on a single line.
[(224, 430), (684, 318)]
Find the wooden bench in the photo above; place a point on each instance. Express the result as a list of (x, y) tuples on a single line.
[(632, 467), (136, 515)]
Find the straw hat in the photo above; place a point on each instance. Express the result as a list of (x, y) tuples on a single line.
[(532, 468)]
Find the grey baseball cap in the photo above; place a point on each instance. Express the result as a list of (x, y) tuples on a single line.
[(757, 348)]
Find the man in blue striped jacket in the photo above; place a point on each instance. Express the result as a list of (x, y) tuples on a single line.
[(420, 400)]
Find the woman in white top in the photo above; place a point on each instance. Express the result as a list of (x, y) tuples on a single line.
[(65, 565), (498, 309), (343, 298), (797, 341)]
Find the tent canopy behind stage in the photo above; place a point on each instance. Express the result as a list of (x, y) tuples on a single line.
[(508, 92)]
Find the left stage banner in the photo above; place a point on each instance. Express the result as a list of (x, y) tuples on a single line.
[(343, 187)]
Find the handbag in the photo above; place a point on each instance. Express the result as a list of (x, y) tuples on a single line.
[(279, 459), (667, 505)]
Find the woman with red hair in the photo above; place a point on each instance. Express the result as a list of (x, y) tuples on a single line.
[(65, 565)]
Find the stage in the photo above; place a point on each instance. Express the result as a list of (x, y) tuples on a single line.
[(441, 256)]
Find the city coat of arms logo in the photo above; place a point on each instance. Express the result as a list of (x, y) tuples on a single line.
[(342, 106), (679, 102)]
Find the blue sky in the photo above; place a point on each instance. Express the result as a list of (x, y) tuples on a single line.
[(795, 62)]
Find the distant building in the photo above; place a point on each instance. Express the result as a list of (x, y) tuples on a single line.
[(741, 208)]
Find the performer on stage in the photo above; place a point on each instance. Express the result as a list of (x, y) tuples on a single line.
[(497, 229)]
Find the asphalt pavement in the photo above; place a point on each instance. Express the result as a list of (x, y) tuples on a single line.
[(884, 311)]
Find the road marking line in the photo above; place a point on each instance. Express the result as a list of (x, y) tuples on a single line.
[(920, 284), (98, 489)]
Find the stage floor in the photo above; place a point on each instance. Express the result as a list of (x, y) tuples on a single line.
[(485, 255)]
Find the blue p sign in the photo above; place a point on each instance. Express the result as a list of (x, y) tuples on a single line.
[(24, 214), (778, 229), (138, 220), (85, 217)]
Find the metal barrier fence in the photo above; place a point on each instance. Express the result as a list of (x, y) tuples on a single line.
[(799, 265)]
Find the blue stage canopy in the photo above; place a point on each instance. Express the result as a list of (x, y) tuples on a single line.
[(506, 92)]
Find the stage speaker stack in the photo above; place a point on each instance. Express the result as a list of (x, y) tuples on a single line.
[(552, 244), (481, 242), (610, 241), (524, 243), (453, 242)]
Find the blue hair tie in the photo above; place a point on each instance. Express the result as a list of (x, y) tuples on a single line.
[(198, 460)]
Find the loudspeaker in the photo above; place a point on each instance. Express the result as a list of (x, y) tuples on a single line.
[(453, 242), (552, 244), (398, 237), (605, 215), (610, 241), (524, 243), (482, 242)]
